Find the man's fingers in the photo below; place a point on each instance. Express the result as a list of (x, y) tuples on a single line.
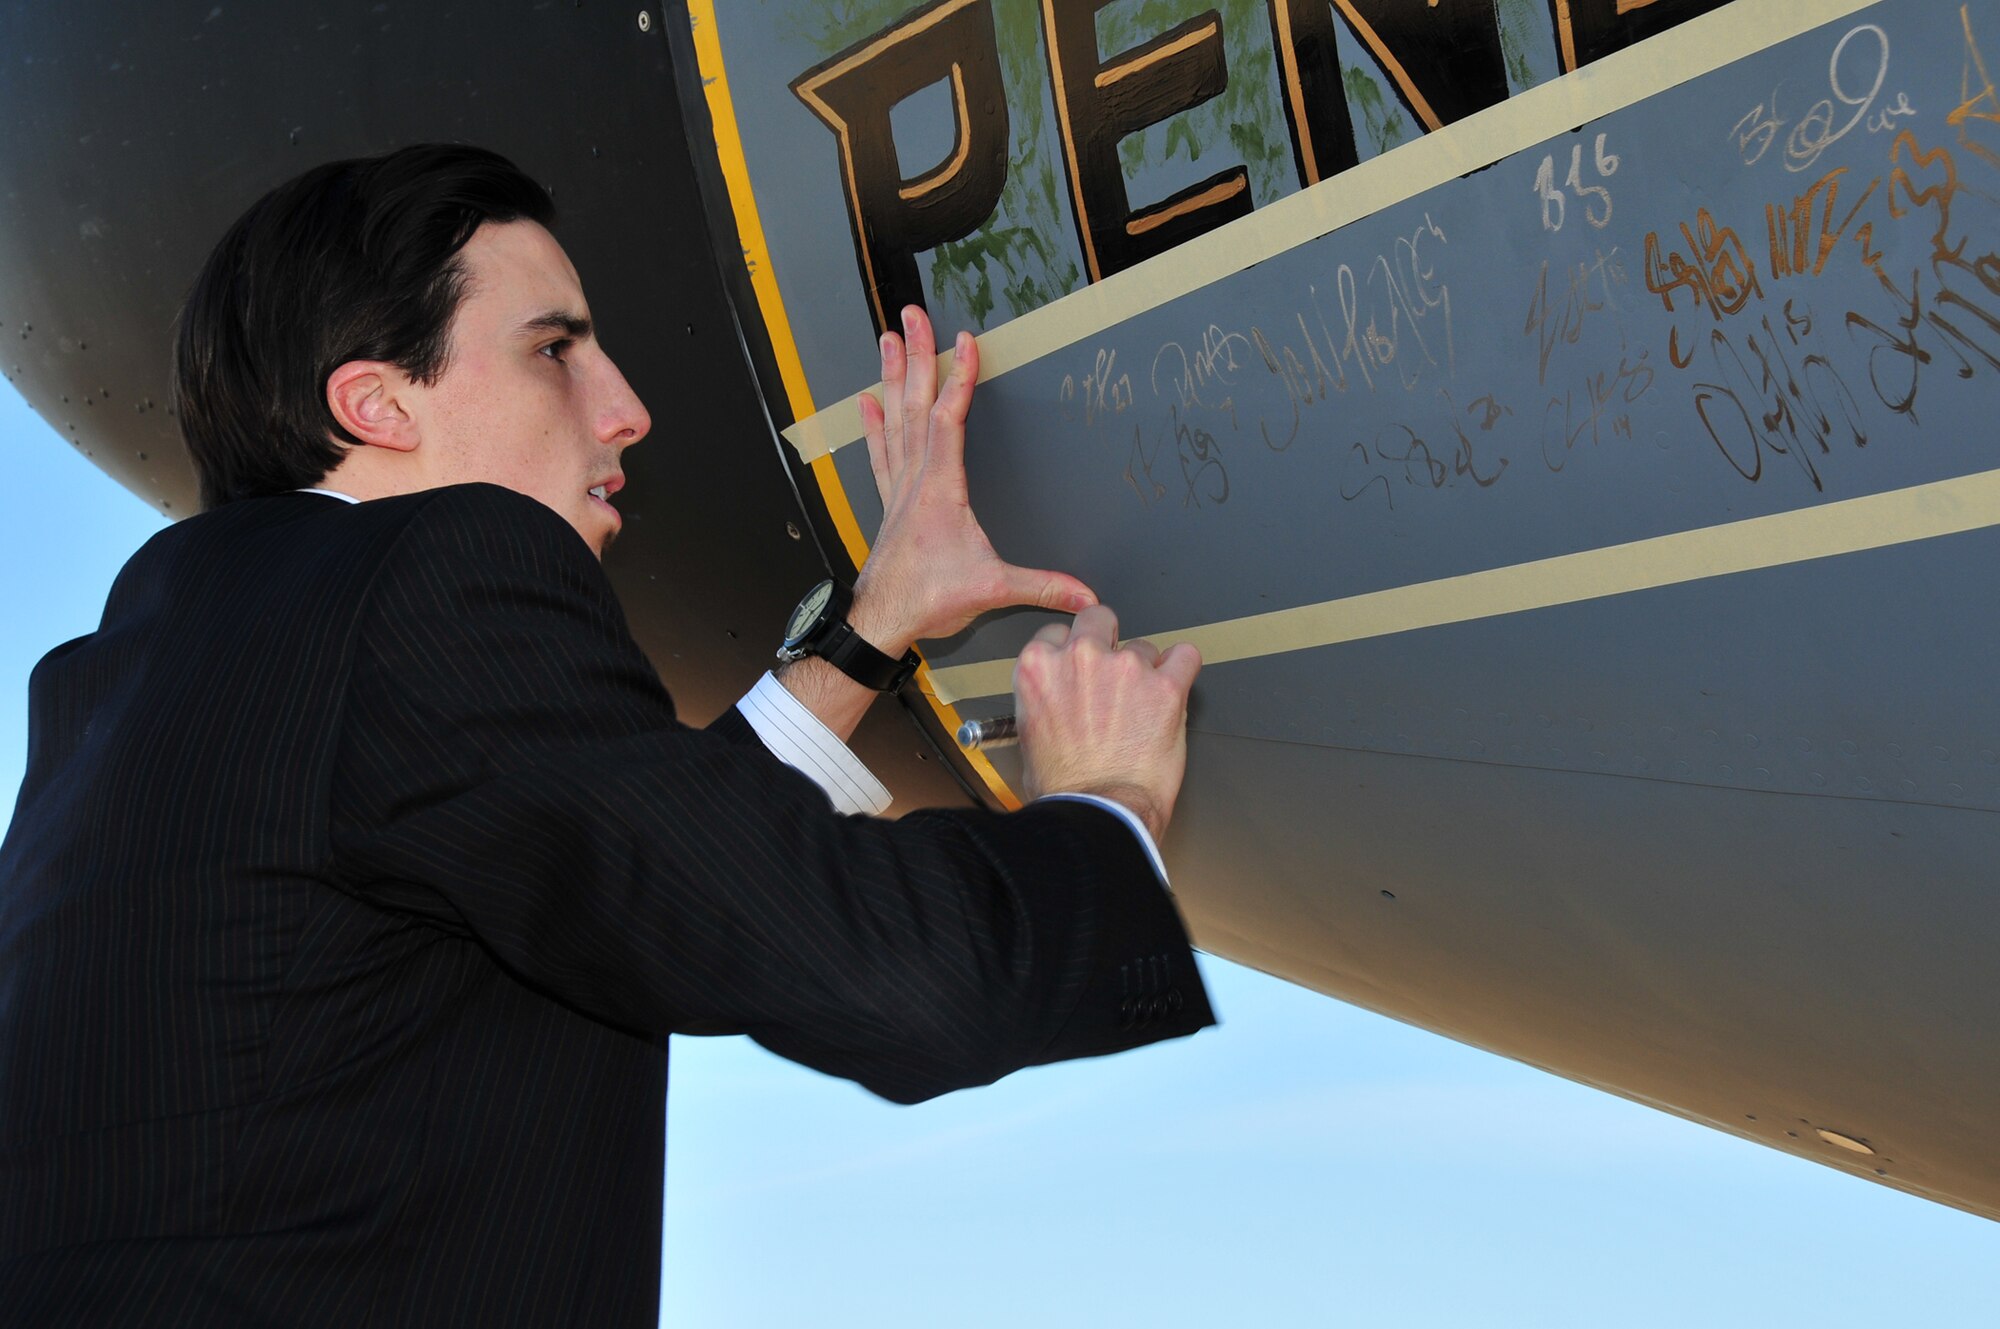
[(1096, 623), (878, 456), (894, 367), (919, 375), (1047, 590), (1142, 648), (955, 397), (1181, 663), (1052, 634)]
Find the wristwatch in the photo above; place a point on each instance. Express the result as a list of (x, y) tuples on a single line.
[(819, 627)]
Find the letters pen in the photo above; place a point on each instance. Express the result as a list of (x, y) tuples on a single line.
[(999, 732)]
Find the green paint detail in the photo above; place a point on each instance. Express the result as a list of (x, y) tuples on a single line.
[(1021, 257), (829, 26), (1381, 118), (1253, 144), (1527, 43)]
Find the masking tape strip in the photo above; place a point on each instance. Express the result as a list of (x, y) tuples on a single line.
[(1694, 48), (1922, 512)]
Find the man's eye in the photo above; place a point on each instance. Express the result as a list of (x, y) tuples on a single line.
[(556, 350)]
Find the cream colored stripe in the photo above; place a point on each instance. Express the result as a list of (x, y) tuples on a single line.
[(1697, 47), (1946, 507)]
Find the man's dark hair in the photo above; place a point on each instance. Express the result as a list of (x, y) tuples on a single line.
[(354, 260)]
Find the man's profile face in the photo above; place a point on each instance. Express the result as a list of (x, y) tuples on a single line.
[(528, 399)]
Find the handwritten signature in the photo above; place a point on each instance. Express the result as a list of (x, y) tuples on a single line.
[(1814, 131)]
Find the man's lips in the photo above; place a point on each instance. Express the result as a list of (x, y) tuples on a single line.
[(600, 495)]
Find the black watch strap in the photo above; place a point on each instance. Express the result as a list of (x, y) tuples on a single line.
[(819, 627), (850, 653)]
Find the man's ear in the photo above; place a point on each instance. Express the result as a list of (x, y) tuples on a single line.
[(370, 400)]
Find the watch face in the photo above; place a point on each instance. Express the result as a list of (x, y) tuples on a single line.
[(808, 612)]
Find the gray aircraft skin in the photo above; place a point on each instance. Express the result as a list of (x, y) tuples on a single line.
[(1566, 433)]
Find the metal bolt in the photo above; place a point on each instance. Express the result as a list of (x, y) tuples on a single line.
[(645, 21), (792, 530)]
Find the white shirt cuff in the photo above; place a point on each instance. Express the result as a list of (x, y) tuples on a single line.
[(796, 737), (1130, 818)]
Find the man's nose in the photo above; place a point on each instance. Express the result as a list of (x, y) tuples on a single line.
[(621, 418)]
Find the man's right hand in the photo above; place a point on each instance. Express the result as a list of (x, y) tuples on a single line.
[(1102, 718)]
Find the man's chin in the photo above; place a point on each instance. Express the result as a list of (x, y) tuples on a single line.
[(599, 523), (595, 527)]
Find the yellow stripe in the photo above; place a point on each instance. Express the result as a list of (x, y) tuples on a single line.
[(844, 521), (1922, 512), (743, 203), (791, 372), (1694, 48)]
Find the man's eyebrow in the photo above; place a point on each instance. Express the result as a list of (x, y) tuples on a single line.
[(574, 326)]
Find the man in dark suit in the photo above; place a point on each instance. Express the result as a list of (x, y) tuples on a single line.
[(362, 867)]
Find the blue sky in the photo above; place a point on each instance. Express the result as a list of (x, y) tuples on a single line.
[(1305, 1164)]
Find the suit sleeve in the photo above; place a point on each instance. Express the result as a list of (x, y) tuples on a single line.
[(512, 771)]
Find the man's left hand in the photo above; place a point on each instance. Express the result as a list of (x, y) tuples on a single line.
[(932, 570)]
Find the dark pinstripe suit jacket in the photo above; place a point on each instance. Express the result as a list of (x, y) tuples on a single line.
[(359, 872)]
